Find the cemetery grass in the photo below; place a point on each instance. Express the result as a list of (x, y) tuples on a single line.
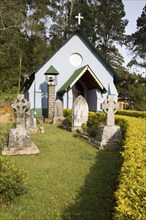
[(68, 180)]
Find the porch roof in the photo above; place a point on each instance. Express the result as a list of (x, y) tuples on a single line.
[(87, 76)]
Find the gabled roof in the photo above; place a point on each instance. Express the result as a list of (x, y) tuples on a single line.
[(82, 36), (51, 71), (90, 78)]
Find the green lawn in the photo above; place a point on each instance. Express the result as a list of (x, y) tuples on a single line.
[(69, 179)]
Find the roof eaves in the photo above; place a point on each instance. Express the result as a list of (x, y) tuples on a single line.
[(76, 76)]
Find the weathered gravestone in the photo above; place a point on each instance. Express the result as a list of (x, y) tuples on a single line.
[(58, 111), (19, 141), (109, 135), (31, 121), (79, 113)]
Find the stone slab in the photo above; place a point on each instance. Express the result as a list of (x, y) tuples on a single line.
[(19, 138), (109, 137), (33, 149)]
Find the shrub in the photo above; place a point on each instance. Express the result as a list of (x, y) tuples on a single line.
[(67, 122), (12, 181), (136, 114), (95, 119), (131, 194)]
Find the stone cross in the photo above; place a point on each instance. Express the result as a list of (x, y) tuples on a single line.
[(79, 18), (110, 106), (21, 105)]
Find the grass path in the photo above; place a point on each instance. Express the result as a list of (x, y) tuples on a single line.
[(68, 180)]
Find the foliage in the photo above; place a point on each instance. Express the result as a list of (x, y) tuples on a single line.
[(130, 196), (110, 28), (23, 41), (12, 181), (67, 122), (132, 88), (95, 119), (136, 114)]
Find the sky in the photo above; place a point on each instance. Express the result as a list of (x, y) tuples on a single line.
[(133, 9)]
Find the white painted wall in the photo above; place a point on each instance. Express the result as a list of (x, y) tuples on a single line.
[(61, 62)]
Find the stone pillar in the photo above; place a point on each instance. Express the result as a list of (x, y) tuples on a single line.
[(51, 97)]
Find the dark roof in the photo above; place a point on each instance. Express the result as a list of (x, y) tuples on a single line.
[(82, 36), (51, 71), (87, 75)]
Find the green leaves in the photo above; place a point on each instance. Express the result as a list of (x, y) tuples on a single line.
[(12, 181), (130, 196)]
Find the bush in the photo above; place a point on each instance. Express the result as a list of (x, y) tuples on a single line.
[(67, 122), (136, 114), (12, 181), (131, 194), (95, 119)]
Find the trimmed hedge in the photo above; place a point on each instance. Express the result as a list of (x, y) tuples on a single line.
[(136, 114), (12, 181), (131, 194)]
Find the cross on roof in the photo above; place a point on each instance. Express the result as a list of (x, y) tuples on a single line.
[(79, 18)]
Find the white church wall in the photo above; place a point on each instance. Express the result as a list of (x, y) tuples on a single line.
[(61, 61)]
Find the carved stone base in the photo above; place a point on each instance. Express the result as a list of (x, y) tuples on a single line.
[(77, 128), (17, 151), (57, 120), (19, 142), (109, 137)]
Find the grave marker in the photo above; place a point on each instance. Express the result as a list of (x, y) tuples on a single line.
[(19, 141), (58, 111), (79, 113), (109, 135)]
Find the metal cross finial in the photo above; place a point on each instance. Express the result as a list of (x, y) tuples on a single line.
[(79, 18)]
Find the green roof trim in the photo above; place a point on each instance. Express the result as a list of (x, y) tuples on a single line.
[(51, 71), (76, 76), (91, 47)]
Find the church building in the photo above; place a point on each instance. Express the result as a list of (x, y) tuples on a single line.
[(77, 68)]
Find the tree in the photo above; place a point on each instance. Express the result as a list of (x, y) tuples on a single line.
[(110, 28), (132, 87), (12, 15), (23, 41), (138, 41)]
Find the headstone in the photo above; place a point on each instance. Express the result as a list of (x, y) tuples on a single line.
[(31, 121), (58, 111), (110, 106), (79, 113), (19, 141), (109, 135), (20, 106)]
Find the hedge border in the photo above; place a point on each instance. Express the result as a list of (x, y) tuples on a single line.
[(131, 193)]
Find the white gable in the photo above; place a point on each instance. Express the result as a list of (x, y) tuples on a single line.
[(61, 61)]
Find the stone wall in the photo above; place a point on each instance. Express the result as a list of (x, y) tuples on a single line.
[(51, 99)]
